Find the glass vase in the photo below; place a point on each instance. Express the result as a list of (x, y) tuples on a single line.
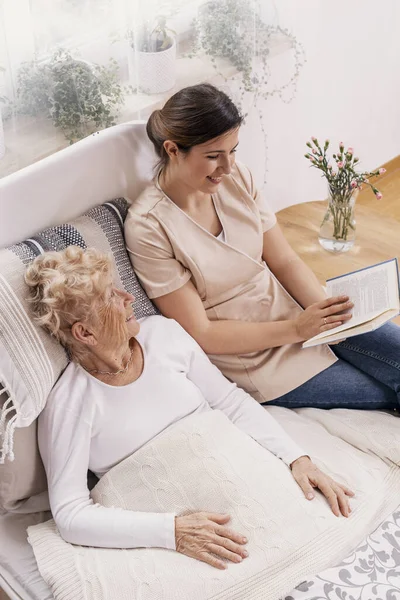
[(338, 228)]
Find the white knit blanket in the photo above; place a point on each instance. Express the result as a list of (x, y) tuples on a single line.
[(205, 463)]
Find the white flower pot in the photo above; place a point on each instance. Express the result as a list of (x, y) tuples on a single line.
[(2, 144), (156, 71)]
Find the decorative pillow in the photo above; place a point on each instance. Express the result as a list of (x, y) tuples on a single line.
[(23, 482), (30, 359)]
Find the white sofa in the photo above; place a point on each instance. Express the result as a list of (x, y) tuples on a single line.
[(109, 164)]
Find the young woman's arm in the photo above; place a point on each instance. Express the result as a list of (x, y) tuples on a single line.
[(168, 283), (292, 272), (242, 337)]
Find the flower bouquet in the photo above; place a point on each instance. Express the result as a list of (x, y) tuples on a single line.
[(337, 232)]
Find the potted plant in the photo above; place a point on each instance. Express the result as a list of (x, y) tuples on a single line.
[(337, 232), (155, 53), (220, 32), (78, 97), (234, 30)]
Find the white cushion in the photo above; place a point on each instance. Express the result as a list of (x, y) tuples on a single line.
[(112, 163)]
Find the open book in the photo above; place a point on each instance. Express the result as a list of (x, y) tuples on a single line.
[(375, 293)]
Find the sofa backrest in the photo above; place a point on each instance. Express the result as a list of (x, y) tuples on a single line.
[(111, 163), (117, 162)]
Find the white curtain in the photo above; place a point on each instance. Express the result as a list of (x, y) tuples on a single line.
[(71, 67)]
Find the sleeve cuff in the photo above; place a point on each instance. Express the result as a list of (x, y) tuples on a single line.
[(153, 530), (267, 225), (170, 531), (292, 454), (162, 290)]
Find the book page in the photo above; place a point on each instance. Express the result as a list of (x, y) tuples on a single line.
[(373, 291), (357, 330)]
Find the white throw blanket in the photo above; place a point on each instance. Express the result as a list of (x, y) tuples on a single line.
[(205, 463)]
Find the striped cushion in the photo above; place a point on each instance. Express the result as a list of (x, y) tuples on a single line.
[(31, 360)]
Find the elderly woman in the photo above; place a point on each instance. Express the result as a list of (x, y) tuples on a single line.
[(127, 382)]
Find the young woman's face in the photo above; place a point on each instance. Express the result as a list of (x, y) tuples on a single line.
[(204, 167)]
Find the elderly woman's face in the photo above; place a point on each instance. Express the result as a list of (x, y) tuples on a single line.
[(116, 320)]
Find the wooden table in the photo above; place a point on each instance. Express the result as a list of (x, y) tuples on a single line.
[(377, 239)]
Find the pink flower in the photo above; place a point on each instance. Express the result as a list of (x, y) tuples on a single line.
[(340, 165), (333, 173), (350, 151), (366, 180), (382, 171), (353, 184), (314, 139), (320, 158), (315, 151), (378, 196)]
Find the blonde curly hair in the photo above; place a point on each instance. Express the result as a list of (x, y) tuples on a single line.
[(66, 287)]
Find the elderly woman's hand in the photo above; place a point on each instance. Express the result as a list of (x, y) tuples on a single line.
[(308, 476), (204, 536)]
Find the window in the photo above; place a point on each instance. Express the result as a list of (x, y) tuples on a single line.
[(90, 65)]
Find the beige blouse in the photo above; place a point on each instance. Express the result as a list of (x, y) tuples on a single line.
[(167, 248)]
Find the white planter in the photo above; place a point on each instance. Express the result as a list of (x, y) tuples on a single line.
[(156, 71), (2, 144)]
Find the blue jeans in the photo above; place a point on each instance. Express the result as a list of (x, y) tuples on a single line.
[(366, 376)]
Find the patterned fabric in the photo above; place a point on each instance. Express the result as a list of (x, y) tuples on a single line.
[(110, 217), (371, 572), (204, 462), (30, 360)]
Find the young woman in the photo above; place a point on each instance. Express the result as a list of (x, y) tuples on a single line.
[(209, 252), (127, 382)]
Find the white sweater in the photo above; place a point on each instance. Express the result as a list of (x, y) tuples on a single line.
[(88, 424)]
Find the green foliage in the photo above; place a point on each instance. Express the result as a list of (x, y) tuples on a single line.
[(218, 34), (233, 30), (79, 98)]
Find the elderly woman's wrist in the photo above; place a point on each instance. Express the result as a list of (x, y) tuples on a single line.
[(301, 459)]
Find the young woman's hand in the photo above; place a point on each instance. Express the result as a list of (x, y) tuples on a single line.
[(308, 476), (323, 316), (204, 536)]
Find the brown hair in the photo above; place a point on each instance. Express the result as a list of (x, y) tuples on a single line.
[(192, 116)]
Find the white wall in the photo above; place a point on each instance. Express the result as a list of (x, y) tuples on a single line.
[(348, 90)]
